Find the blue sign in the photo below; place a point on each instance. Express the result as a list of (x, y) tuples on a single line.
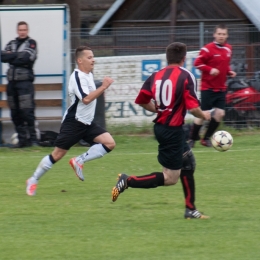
[(149, 67)]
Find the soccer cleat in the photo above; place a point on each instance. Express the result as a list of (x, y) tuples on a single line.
[(121, 185), (77, 167), (31, 186), (206, 142), (189, 214)]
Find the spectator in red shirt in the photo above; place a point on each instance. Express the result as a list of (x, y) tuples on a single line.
[(214, 63), (169, 92)]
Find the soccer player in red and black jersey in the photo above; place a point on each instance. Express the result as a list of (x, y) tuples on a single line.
[(169, 92), (214, 63)]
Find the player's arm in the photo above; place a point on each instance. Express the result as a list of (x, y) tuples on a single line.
[(231, 73), (191, 100), (144, 97), (150, 107), (90, 96), (27, 56), (201, 62), (197, 112)]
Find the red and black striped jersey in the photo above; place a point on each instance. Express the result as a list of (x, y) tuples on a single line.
[(173, 90)]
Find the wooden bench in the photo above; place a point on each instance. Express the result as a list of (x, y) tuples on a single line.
[(39, 102)]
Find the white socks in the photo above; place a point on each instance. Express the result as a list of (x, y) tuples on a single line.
[(94, 152), (43, 167)]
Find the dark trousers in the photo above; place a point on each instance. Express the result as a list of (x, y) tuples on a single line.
[(20, 97)]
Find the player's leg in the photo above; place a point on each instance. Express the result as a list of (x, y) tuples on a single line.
[(187, 179), (218, 102), (44, 166), (101, 144), (188, 185), (67, 137), (198, 123), (170, 149), (214, 122), (152, 180), (195, 129)]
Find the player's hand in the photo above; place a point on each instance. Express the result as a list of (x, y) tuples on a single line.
[(232, 74), (107, 81), (207, 115), (214, 72)]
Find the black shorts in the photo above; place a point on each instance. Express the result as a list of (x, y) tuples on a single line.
[(211, 99), (171, 145), (71, 132)]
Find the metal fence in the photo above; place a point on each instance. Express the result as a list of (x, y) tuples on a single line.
[(244, 107)]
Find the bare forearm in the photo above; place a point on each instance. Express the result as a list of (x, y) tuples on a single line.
[(197, 112), (150, 107), (93, 95)]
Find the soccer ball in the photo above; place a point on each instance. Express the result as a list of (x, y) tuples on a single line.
[(14, 139), (222, 140)]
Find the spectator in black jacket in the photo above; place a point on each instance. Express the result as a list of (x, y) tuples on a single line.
[(21, 54)]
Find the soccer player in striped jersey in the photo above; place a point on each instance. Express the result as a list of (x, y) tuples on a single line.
[(169, 92), (78, 122)]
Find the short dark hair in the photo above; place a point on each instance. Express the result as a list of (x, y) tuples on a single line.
[(220, 26), (80, 49), (22, 23), (175, 52)]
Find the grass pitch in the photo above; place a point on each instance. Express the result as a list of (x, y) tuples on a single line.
[(70, 219)]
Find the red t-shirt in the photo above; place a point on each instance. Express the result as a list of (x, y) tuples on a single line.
[(174, 91), (216, 56)]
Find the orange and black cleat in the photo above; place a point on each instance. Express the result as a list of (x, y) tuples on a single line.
[(121, 185)]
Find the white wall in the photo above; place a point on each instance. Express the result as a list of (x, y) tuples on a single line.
[(129, 73), (47, 26)]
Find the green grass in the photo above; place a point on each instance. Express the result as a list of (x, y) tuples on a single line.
[(83, 223)]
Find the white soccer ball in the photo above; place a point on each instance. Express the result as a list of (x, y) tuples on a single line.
[(222, 140), (14, 139)]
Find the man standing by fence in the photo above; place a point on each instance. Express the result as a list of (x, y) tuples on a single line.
[(21, 54)]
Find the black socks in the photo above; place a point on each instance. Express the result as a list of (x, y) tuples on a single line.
[(213, 125), (188, 185), (152, 180)]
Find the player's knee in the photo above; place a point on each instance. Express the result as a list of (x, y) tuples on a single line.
[(172, 181), (219, 114), (188, 161), (58, 154), (111, 144), (171, 178)]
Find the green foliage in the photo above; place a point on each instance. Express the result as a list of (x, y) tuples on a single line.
[(69, 219)]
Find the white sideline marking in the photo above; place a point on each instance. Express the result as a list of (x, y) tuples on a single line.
[(212, 150), (117, 154)]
